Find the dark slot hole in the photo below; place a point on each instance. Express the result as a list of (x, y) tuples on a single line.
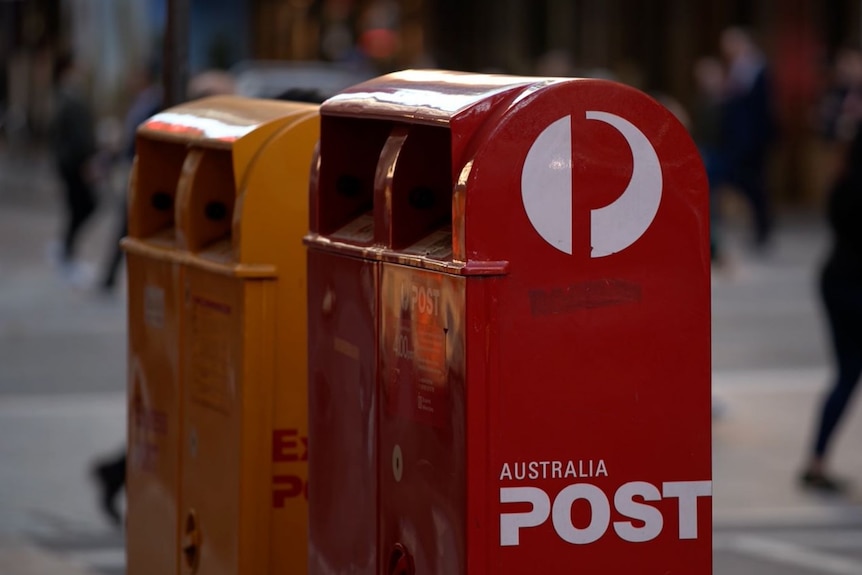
[(348, 186), (400, 562), (190, 543), (422, 198), (190, 553), (162, 201), (215, 211)]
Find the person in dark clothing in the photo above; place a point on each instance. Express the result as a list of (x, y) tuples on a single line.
[(841, 292), (110, 473), (706, 132), (147, 102), (110, 476), (748, 126), (833, 121), (74, 146)]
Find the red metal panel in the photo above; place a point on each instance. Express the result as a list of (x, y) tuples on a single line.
[(342, 462), (579, 228), (422, 415), (422, 96), (603, 333)]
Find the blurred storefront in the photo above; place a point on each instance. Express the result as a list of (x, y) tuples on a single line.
[(26, 31), (388, 34), (652, 44), (113, 40)]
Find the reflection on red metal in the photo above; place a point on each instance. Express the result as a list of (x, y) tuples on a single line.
[(400, 562), (342, 310), (509, 331)]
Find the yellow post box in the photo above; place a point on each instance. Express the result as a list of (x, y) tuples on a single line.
[(217, 344)]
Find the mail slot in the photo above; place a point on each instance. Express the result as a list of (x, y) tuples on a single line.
[(509, 323), (217, 392)]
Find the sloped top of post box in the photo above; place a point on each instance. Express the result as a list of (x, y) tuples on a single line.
[(229, 172), (236, 124), (434, 97), (218, 121), (574, 169)]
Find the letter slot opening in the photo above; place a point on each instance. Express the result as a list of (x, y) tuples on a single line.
[(419, 188), (153, 186), (345, 195), (207, 197)]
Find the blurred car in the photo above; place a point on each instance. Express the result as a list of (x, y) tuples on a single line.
[(287, 80)]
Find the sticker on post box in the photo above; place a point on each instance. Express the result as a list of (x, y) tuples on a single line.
[(149, 430), (154, 306), (414, 341), (210, 330)]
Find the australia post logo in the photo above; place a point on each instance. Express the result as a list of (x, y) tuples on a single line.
[(547, 188), (634, 512)]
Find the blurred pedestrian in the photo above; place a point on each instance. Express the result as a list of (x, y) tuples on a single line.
[(110, 472), (841, 291), (110, 477), (748, 125), (146, 102), (75, 151), (211, 83), (834, 124), (706, 132)]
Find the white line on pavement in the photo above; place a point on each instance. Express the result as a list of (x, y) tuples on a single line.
[(68, 404), (756, 381), (101, 559), (19, 558), (823, 515), (795, 555), (850, 539)]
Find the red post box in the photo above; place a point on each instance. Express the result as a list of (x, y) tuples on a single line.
[(509, 355)]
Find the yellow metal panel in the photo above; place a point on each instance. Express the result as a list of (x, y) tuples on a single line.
[(256, 522), (233, 239), (153, 413), (255, 142), (282, 209), (228, 408)]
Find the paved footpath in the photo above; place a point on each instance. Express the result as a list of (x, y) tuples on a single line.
[(62, 366), (771, 367)]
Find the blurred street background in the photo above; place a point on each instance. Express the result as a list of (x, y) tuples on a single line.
[(62, 342)]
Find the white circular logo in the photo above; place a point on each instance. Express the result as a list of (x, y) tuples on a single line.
[(547, 187)]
